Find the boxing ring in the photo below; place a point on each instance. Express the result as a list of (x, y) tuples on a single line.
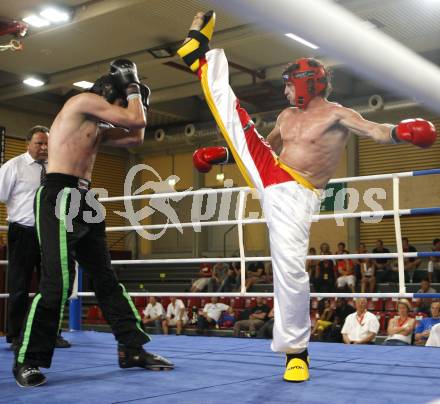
[(218, 369)]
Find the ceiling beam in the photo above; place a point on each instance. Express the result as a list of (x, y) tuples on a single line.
[(142, 58)]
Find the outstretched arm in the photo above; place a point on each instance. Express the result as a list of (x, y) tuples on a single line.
[(355, 123), (418, 131)]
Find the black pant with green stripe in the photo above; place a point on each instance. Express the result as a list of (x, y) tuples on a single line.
[(63, 218)]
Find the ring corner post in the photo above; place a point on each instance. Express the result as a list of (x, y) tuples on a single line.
[(75, 305)]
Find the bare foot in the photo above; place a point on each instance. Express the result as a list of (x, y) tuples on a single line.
[(196, 24)]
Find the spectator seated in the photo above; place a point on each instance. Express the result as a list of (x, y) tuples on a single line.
[(210, 315), (257, 317), (154, 314), (360, 327), (424, 326), (176, 316), (400, 328)]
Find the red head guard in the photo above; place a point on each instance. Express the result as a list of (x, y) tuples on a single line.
[(16, 28), (309, 78)]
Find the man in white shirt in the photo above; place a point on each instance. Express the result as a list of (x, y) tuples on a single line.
[(20, 178), (153, 313), (360, 327), (176, 316), (210, 314), (434, 336)]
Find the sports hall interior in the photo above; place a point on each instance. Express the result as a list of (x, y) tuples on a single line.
[(179, 122)]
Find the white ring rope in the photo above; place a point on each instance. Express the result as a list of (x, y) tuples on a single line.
[(367, 214), (387, 295), (364, 215), (375, 177), (256, 259)]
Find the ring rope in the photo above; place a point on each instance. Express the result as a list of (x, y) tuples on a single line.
[(388, 295), (434, 171)]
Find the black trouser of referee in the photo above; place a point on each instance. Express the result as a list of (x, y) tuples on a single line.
[(66, 234), (23, 258)]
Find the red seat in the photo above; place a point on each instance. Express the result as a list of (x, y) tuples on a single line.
[(375, 304), (204, 300), (414, 303), (95, 315), (101, 318), (140, 301), (269, 302), (250, 302), (236, 302), (192, 302), (247, 302), (165, 301), (224, 300), (390, 304)]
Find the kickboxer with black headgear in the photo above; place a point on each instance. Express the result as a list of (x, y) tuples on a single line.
[(75, 137)]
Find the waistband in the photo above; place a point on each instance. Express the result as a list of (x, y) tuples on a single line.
[(298, 177), (21, 226), (66, 180)]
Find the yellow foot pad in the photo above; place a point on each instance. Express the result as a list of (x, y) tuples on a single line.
[(297, 367), (198, 45)]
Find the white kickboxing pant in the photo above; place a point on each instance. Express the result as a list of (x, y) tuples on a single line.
[(288, 203)]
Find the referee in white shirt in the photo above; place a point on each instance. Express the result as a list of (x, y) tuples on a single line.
[(20, 178)]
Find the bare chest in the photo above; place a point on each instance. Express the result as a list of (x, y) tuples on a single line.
[(311, 128)]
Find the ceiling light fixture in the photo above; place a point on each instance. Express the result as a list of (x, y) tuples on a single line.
[(83, 84), (301, 40), (34, 82), (55, 15), (36, 21)]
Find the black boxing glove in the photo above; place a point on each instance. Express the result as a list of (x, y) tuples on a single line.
[(124, 73)]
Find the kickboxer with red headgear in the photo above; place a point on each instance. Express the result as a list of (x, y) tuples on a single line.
[(289, 169)]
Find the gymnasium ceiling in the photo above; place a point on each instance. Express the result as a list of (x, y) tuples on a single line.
[(102, 30)]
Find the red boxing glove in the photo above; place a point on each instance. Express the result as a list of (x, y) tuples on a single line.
[(416, 131), (204, 158)]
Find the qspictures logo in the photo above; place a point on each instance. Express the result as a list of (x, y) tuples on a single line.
[(205, 204)]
